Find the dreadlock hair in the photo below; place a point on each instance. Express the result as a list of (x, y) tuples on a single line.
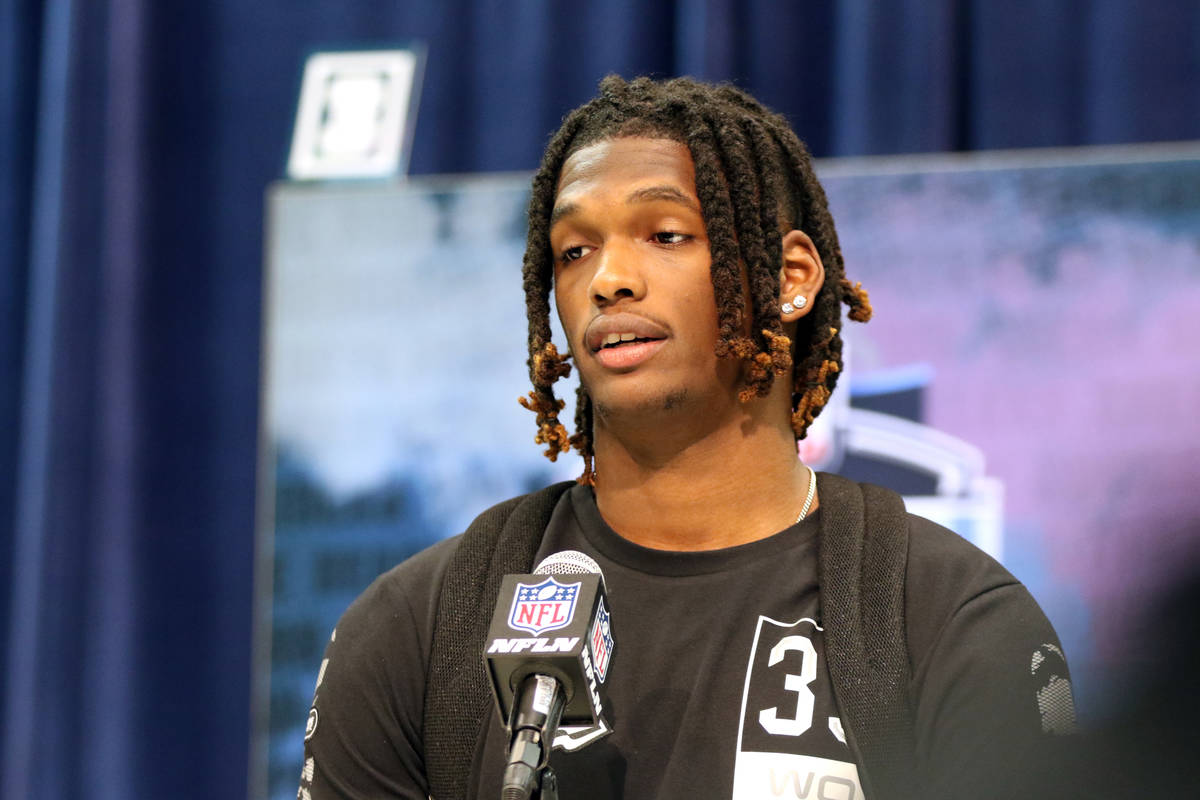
[(753, 175)]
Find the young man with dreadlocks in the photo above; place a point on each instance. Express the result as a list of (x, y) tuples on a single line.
[(779, 633)]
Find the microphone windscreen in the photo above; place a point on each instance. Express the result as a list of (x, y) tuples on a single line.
[(568, 562)]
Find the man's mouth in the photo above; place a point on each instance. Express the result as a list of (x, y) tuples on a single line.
[(624, 355), (618, 339), (623, 329)]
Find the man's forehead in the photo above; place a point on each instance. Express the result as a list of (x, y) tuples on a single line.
[(635, 169)]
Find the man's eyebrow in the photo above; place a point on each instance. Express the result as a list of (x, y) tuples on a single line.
[(647, 194), (666, 192), (561, 211)]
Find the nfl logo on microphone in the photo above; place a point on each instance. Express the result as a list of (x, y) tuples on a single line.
[(544, 606), (601, 640)]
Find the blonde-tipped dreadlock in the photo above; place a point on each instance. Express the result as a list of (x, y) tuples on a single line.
[(753, 177), (547, 366)]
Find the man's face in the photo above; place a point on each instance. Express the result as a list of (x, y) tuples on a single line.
[(632, 281)]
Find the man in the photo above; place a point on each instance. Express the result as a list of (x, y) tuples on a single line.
[(697, 276)]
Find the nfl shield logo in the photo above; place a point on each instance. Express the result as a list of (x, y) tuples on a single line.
[(545, 606), (601, 641)]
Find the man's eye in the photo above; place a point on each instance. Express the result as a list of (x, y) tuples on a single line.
[(573, 253), (670, 237)]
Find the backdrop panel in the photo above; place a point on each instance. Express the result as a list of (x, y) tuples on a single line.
[(1024, 306)]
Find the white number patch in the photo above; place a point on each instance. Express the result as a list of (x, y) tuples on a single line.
[(802, 719), (780, 752)]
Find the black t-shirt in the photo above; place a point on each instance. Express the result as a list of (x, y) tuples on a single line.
[(718, 686)]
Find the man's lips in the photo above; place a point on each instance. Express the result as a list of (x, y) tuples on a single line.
[(617, 329), (625, 357)]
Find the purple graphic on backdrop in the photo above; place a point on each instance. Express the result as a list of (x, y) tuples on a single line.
[(1059, 307)]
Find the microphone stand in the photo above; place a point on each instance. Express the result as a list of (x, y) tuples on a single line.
[(548, 785), (535, 714), (545, 786)]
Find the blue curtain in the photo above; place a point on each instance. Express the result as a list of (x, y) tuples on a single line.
[(136, 140)]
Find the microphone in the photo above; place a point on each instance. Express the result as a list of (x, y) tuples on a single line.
[(548, 653)]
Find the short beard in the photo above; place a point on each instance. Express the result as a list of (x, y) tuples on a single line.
[(671, 401), (674, 399)]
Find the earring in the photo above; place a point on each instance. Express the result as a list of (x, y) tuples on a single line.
[(798, 302)]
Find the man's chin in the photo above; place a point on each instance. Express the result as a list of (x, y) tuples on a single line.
[(647, 406)]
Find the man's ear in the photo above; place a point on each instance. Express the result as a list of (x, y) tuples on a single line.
[(801, 277)]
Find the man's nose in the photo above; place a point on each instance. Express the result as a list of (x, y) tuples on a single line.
[(618, 275)]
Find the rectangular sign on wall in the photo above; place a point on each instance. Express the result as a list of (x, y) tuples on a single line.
[(356, 114)]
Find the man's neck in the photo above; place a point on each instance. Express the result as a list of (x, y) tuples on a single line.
[(735, 484)]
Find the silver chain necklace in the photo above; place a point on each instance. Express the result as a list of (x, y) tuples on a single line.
[(812, 490)]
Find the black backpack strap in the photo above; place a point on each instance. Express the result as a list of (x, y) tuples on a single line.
[(502, 540), (863, 556)]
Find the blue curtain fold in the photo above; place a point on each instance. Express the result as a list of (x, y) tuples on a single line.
[(136, 141)]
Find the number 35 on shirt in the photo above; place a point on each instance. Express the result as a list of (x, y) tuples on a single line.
[(790, 742)]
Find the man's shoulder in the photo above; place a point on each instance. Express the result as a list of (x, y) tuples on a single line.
[(410, 588), (948, 578), (417, 580), (424, 567), (940, 558), (944, 573)]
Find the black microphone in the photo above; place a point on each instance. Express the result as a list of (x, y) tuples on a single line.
[(548, 652)]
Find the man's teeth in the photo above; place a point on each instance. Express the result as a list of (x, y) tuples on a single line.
[(614, 338)]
